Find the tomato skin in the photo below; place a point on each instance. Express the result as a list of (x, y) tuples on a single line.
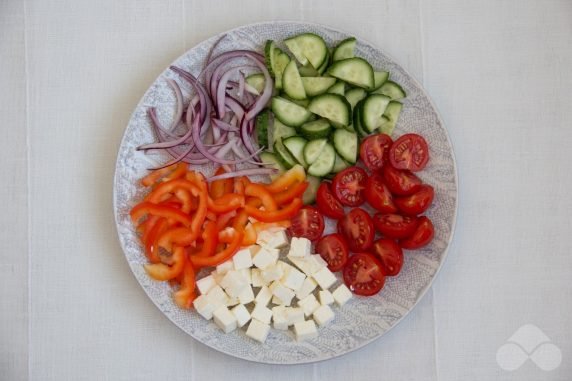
[(390, 255), (378, 196), (363, 274), (410, 152), (418, 202), (327, 204), (348, 186), (395, 225), (422, 236), (334, 249), (308, 223), (374, 151), (357, 228), (401, 183)]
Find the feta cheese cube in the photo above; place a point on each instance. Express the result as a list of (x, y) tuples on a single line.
[(317, 262), (283, 293), (279, 318), (323, 315), (325, 278), (224, 319), (342, 294), (309, 304), (279, 302), (263, 297), (205, 284), (285, 266), (293, 279), (275, 238), (247, 275), (232, 302), (326, 297), (233, 283), (265, 257), (300, 247), (305, 330), (205, 307), (217, 294), (261, 313), (241, 315), (217, 276), (246, 296), (256, 277), (307, 288), (309, 264), (257, 330), (225, 267), (294, 315), (242, 259), (272, 273)]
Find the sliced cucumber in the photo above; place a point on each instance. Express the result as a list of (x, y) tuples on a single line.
[(333, 107), (317, 129), (270, 158), (356, 71), (392, 114), (261, 123), (340, 164), (308, 47), (345, 49), (322, 69), (292, 82), (300, 102), (372, 111), (313, 149), (346, 144), (317, 85), (255, 83), (354, 96), (338, 88), (269, 56), (357, 119), (283, 155), (379, 78), (324, 163), (392, 90), (310, 194), (281, 131), (295, 146), (289, 113), (276, 61), (308, 71)]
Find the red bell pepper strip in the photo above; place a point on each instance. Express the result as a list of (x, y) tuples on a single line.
[(285, 213), (210, 240), (222, 255), (291, 193), (156, 175), (186, 200), (226, 203), (148, 208), (219, 188), (169, 188), (291, 177), (259, 191), (161, 271), (151, 248), (185, 296), (223, 220)]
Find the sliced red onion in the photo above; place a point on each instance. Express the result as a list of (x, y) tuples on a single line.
[(241, 82), (223, 125), (179, 103), (244, 172), (234, 106), (212, 49)]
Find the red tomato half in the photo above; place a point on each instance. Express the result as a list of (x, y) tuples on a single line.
[(378, 195), (327, 203), (418, 202), (348, 186), (410, 152), (422, 235), (357, 227), (395, 225), (374, 151), (308, 223), (363, 274), (401, 183), (390, 255), (334, 249)]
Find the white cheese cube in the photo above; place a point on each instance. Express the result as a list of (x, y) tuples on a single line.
[(293, 279), (257, 330), (279, 302), (232, 302), (317, 262), (247, 275), (263, 297), (309, 304), (272, 273), (281, 292), (241, 315), (294, 315), (285, 266), (310, 264), (326, 297), (342, 294), (300, 247), (265, 257), (217, 294), (206, 307), (261, 313), (233, 283), (242, 259), (217, 276), (264, 237), (246, 296), (224, 319), (205, 284), (275, 238), (256, 277), (307, 288), (325, 278), (279, 318), (225, 267), (323, 315), (305, 330)]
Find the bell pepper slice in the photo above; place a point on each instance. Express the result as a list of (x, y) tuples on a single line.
[(240, 184), (291, 193), (285, 213), (170, 187), (148, 208), (152, 240), (261, 226), (241, 218), (222, 255), (178, 236), (226, 203), (157, 174), (223, 220), (161, 271), (186, 200), (210, 240), (219, 188), (259, 191), (185, 296), (146, 226), (294, 175), (180, 171), (250, 235)]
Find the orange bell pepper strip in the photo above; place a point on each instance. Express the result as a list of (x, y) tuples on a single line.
[(152, 240), (170, 187), (222, 255), (210, 240), (186, 200), (291, 193), (185, 296), (148, 208), (260, 226), (285, 213), (180, 171), (226, 203), (161, 271), (240, 183), (259, 191), (219, 188), (294, 175), (156, 175), (224, 219)]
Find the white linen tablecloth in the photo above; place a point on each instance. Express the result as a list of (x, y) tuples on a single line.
[(71, 73)]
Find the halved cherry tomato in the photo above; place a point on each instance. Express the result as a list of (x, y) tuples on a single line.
[(374, 151), (308, 223), (410, 152), (378, 195), (422, 235), (348, 186), (327, 203), (218, 188), (390, 255), (395, 225), (334, 249), (418, 202), (363, 274), (357, 227), (401, 183)]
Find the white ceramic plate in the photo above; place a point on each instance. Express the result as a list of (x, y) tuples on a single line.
[(363, 319)]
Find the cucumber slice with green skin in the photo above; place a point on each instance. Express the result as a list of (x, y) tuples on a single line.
[(340, 164), (283, 155), (300, 102), (256, 82), (346, 145), (345, 49), (308, 47), (269, 158), (379, 78), (322, 69), (308, 71), (269, 56), (313, 149), (317, 85), (324, 163), (281, 131), (372, 110), (357, 119), (354, 96), (317, 129), (309, 195), (289, 113), (392, 90), (333, 107), (355, 71), (392, 114), (261, 123), (295, 146), (276, 61), (338, 88), (292, 82)]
